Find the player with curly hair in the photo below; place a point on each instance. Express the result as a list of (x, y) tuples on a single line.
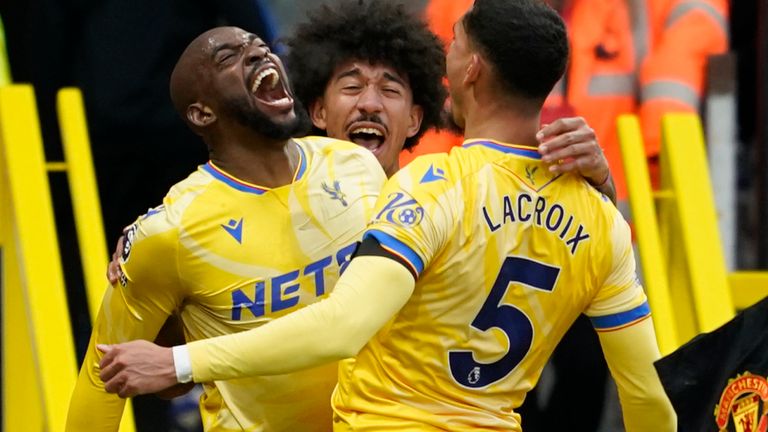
[(377, 84), (376, 68)]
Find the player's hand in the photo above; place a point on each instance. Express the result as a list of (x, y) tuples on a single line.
[(569, 144), (113, 269), (136, 367)]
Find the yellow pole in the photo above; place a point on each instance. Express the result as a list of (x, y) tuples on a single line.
[(85, 196), (86, 207), (38, 252), (647, 232), (689, 177), (5, 70), (21, 385)]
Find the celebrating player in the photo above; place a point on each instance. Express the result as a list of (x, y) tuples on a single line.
[(472, 269), (259, 231), (368, 100)]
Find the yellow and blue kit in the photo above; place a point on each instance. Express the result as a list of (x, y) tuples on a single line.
[(473, 267), (506, 256), (228, 256)]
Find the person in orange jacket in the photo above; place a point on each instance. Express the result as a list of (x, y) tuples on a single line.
[(646, 57)]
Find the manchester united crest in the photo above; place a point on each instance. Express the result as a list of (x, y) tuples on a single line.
[(743, 405)]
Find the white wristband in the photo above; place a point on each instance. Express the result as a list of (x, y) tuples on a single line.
[(182, 363)]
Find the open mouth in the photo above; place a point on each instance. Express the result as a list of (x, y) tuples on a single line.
[(269, 89), (370, 136)]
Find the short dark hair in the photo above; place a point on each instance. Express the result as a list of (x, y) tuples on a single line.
[(378, 31), (525, 40)]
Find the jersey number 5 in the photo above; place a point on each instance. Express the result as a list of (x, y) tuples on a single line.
[(512, 321)]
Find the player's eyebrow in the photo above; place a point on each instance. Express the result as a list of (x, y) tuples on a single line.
[(394, 78), (355, 72), (232, 46), (223, 47)]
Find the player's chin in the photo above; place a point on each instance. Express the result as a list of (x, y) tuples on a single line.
[(175, 391)]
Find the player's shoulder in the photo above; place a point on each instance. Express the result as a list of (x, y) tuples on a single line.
[(341, 153), (318, 146), (601, 212), (429, 170), (169, 214)]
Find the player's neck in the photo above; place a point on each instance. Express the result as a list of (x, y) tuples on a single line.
[(271, 165), (501, 123)]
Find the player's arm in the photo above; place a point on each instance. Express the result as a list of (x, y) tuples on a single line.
[(170, 334), (371, 291), (622, 318), (373, 288), (135, 307), (569, 144), (630, 353)]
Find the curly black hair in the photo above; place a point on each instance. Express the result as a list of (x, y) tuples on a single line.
[(531, 52), (378, 31)]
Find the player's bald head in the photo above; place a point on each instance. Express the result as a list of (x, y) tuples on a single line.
[(187, 74), (190, 78)]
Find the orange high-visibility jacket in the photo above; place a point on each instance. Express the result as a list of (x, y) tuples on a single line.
[(627, 56)]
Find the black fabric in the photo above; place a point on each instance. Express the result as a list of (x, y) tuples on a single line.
[(577, 398), (371, 247), (696, 374)]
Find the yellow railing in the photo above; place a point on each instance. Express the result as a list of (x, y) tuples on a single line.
[(687, 175), (39, 364), (39, 368), (676, 228), (85, 205), (647, 233), (85, 196)]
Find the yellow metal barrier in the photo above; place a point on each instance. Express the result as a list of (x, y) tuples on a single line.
[(5, 72), (748, 287), (85, 196), (38, 350), (678, 235), (86, 206), (646, 231), (685, 153)]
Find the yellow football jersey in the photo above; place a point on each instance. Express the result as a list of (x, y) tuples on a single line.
[(506, 256), (228, 256)]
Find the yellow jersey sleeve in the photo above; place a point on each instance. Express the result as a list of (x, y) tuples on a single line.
[(368, 294), (630, 353), (416, 212), (136, 307), (620, 301)]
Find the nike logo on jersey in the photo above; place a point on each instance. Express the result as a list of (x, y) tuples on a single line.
[(335, 192), (235, 229), (433, 174)]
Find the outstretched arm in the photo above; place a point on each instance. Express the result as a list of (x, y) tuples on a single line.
[(569, 144), (367, 295)]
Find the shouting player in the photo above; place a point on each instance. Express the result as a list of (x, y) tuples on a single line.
[(367, 98), (256, 233), (474, 265)]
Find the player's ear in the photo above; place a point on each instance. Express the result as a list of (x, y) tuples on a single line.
[(200, 115), (317, 114), (473, 69), (415, 117)]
